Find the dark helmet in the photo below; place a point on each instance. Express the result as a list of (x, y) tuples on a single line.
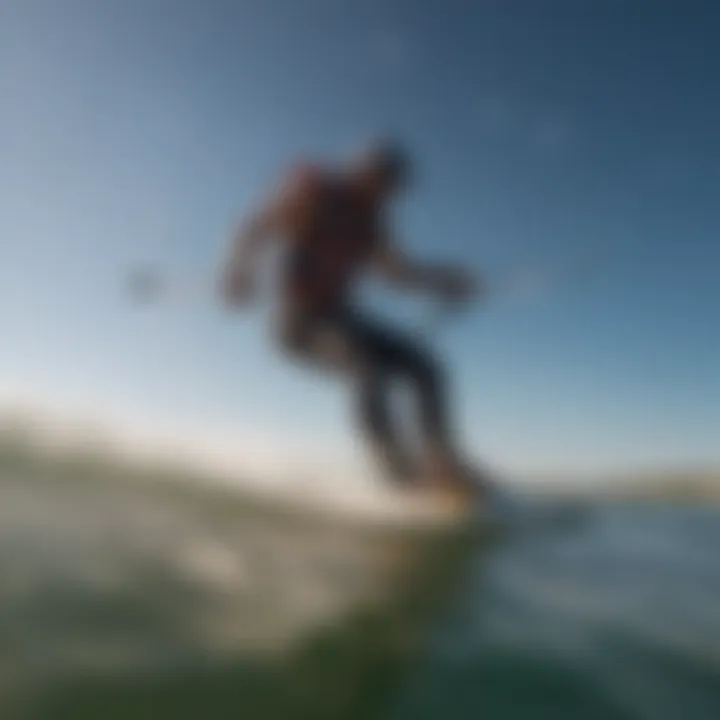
[(391, 158)]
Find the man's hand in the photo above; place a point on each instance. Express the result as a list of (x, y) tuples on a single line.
[(237, 281), (450, 283), (456, 284)]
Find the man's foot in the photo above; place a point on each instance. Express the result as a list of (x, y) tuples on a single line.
[(453, 502), (459, 484)]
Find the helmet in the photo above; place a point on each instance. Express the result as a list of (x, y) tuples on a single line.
[(390, 158)]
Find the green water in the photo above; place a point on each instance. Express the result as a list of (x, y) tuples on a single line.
[(123, 599)]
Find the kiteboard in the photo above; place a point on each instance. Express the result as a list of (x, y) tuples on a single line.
[(432, 511)]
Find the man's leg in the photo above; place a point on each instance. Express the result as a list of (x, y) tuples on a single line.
[(375, 421), (338, 343), (396, 355)]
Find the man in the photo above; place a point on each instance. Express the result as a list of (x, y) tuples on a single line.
[(332, 230)]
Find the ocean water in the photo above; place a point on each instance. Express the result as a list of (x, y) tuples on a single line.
[(143, 598)]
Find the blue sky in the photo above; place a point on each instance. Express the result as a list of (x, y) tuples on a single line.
[(142, 130)]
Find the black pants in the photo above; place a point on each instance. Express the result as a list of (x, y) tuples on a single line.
[(373, 356)]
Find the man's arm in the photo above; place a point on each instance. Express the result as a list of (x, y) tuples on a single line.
[(250, 240), (397, 268), (286, 210)]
